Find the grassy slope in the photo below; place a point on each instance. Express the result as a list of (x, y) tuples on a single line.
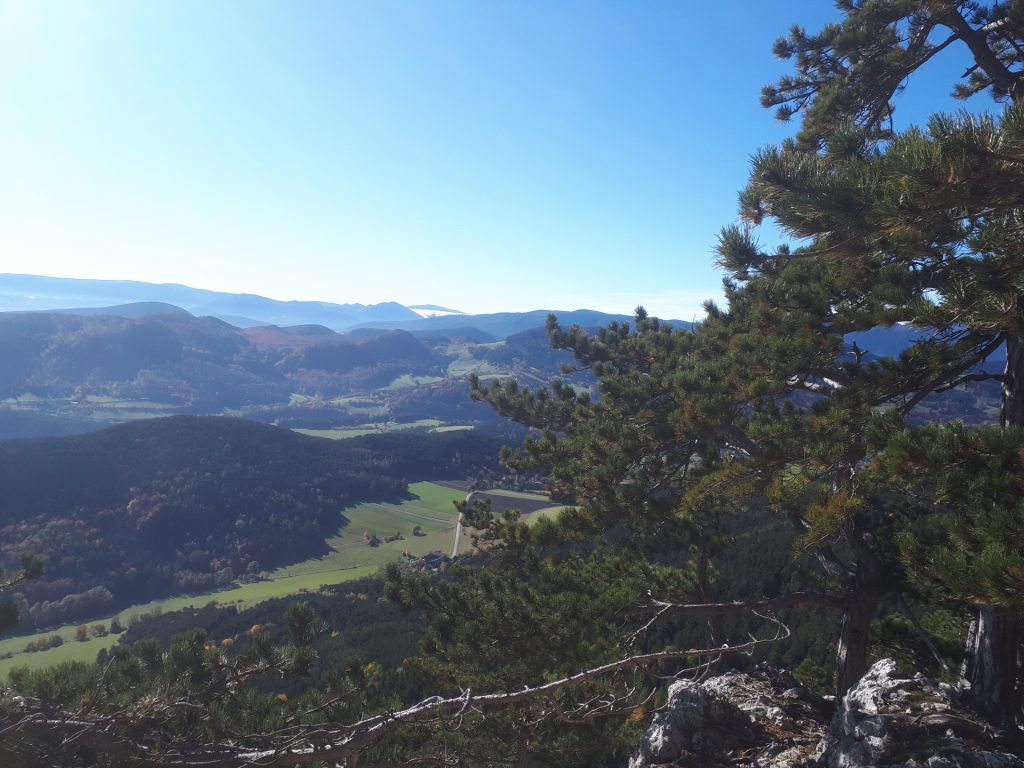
[(340, 433), (97, 408), (430, 508)]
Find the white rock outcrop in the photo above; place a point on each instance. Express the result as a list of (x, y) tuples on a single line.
[(765, 720)]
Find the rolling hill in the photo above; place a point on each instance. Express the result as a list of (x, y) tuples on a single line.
[(72, 371), (199, 362)]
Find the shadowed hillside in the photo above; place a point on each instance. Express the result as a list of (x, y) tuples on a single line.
[(187, 503)]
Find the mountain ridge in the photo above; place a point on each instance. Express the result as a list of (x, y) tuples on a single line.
[(68, 295), (20, 292)]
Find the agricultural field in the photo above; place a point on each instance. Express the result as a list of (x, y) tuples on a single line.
[(356, 404), (407, 380), (341, 433), (426, 521), (430, 510), (101, 409), (530, 505), (352, 556), (241, 596), (466, 364)]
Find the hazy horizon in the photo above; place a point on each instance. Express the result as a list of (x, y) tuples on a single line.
[(498, 157)]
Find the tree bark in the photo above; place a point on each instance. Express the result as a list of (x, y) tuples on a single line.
[(522, 747), (865, 590), (852, 651), (993, 664), (1012, 411)]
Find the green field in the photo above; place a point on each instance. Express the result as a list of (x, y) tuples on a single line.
[(351, 557), (98, 408), (364, 405), (530, 518), (407, 380), (430, 508), (341, 433), (547, 512), (466, 364)]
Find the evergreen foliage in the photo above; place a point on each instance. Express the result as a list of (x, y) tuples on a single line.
[(849, 72), (920, 227)]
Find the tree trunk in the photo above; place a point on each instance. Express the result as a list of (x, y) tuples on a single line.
[(865, 590), (993, 664), (1012, 411), (852, 652), (522, 747)]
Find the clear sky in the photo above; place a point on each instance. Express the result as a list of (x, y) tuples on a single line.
[(481, 155)]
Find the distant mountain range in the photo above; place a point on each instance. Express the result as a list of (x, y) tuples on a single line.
[(75, 296), (75, 370), (132, 299)]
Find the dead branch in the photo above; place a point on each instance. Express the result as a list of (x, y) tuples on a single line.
[(328, 742)]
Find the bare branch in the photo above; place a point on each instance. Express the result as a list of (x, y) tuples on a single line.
[(308, 744)]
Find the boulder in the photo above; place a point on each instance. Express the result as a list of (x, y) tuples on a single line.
[(762, 720), (891, 720), (695, 721)]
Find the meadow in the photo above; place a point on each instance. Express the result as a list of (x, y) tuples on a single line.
[(99, 408), (341, 433)]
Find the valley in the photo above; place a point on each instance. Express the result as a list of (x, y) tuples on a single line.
[(424, 522), (69, 373)]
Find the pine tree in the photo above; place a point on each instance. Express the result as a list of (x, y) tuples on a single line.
[(685, 426), (689, 424), (922, 227), (849, 72)]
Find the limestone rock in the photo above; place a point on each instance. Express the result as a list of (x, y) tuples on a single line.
[(761, 720), (889, 720), (696, 721)]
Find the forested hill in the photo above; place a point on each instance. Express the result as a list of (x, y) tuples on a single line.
[(197, 361), (182, 503)]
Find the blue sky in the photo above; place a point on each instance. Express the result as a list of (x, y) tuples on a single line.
[(482, 155)]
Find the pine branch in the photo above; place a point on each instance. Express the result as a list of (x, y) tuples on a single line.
[(1000, 377), (795, 599)]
